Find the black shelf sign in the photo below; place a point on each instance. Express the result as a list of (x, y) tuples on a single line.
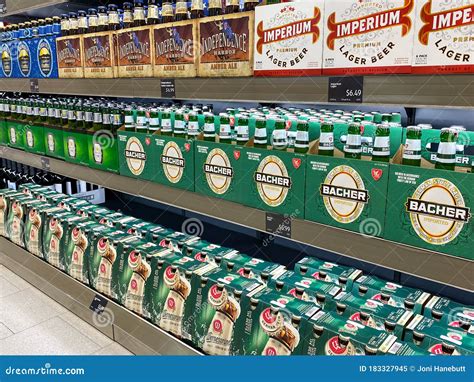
[(168, 89), (346, 89), (98, 304), (3, 6), (278, 224), (34, 85)]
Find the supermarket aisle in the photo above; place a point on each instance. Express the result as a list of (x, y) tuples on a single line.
[(33, 323)]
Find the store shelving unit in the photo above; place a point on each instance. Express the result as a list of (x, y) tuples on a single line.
[(131, 331), (453, 91), (438, 267)]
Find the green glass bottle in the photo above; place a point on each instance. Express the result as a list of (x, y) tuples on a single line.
[(302, 137), (129, 119), (381, 146), (57, 112), (353, 146), (116, 117), (153, 120), (446, 156), (78, 108), (63, 109), (242, 135), (209, 127), (71, 115), (386, 117), (412, 147), (225, 133), (260, 139), (179, 129), (279, 137), (166, 128), (192, 130), (326, 139), (97, 117), (141, 125), (106, 117), (88, 115)]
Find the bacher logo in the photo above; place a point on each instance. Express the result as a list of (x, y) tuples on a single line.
[(219, 171), (135, 156), (273, 181), (173, 162)]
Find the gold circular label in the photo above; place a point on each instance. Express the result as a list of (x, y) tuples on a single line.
[(135, 156), (272, 180), (173, 162), (218, 171)]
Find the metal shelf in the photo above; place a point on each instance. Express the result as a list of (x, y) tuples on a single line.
[(439, 91), (131, 331), (435, 266), (17, 7)]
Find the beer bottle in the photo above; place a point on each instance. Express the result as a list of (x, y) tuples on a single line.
[(106, 121), (71, 115), (396, 118), (73, 23), (56, 27), (412, 147), (88, 115), (138, 13), (179, 124), (64, 25), (260, 139), (78, 110), (192, 130), (302, 137), (51, 112), (153, 14), (249, 5), (459, 147), (82, 26), (197, 9), (116, 117), (386, 117), (127, 15), (209, 127), (166, 128), (242, 130), (369, 117), (232, 6), (153, 121), (43, 111), (113, 18), (167, 14), (215, 7), (92, 20), (279, 137), (225, 134), (129, 120), (142, 122), (326, 139), (446, 156), (381, 148), (57, 112), (357, 118), (41, 28), (353, 148), (97, 115), (181, 12), (102, 19)]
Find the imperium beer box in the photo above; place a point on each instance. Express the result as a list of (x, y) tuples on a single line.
[(275, 324), (289, 39), (175, 49), (447, 312), (444, 37), (332, 335), (214, 308), (368, 37), (425, 333), (328, 272), (227, 45), (135, 52), (69, 57), (391, 293), (100, 55)]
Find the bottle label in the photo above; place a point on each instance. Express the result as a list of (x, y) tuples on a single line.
[(82, 22), (302, 136), (97, 117), (141, 121), (51, 112), (114, 18), (88, 116), (353, 143), (139, 13), (73, 24), (70, 114), (116, 119), (152, 12), (381, 146), (224, 131), (63, 113), (106, 119), (103, 19), (279, 135), (154, 122), (326, 141), (129, 120), (197, 5), (242, 133), (213, 4), (209, 128), (127, 17), (166, 125), (65, 25), (179, 125), (79, 115), (167, 10), (260, 136), (93, 21), (181, 7), (193, 128), (57, 113), (446, 152), (43, 112), (232, 3)]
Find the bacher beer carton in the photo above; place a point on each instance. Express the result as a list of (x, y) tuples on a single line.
[(371, 313), (330, 334), (328, 272), (135, 52), (304, 288), (391, 293), (289, 39), (69, 57), (447, 312), (368, 37), (425, 333), (444, 37), (274, 324), (169, 291), (214, 308)]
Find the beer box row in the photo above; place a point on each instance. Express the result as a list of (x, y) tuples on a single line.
[(31, 58), (355, 37), (217, 46)]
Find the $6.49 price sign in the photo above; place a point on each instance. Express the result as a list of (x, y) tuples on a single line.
[(346, 89)]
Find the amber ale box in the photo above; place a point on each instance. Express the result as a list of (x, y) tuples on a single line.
[(70, 59), (175, 46), (368, 37), (100, 56), (135, 52), (226, 45), (444, 37)]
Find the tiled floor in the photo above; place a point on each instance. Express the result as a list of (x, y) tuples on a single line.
[(33, 323)]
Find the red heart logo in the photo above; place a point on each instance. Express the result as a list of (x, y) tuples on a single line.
[(187, 146), (362, 128), (288, 124), (236, 154), (147, 141), (376, 173), (296, 163)]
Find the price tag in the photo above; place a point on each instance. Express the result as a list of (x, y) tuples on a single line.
[(34, 85), (168, 89), (98, 304), (45, 164), (278, 224), (346, 89)]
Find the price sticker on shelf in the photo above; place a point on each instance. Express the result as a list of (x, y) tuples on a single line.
[(98, 304), (45, 164), (34, 85), (278, 224), (168, 89), (346, 89)]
